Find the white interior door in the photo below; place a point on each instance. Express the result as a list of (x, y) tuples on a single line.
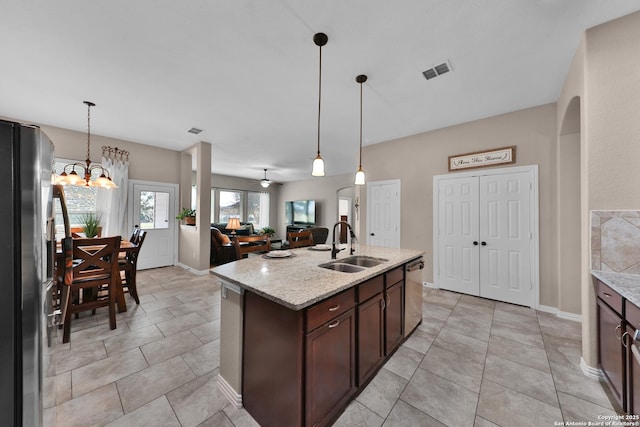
[(458, 260), (383, 213), (506, 234), (486, 234), (153, 207)]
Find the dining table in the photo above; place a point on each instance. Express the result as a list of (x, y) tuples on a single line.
[(125, 247)]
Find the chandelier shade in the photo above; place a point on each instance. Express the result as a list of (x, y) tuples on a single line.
[(82, 174)]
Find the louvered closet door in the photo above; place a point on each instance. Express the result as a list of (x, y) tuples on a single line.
[(505, 236), (458, 258)]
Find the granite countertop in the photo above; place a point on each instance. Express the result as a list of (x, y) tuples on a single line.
[(627, 285), (297, 282)]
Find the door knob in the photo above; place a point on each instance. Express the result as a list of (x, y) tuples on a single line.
[(484, 243), (475, 243), (373, 234)]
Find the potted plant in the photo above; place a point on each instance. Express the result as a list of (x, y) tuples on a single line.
[(268, 231), (188, 215), (91, 224)]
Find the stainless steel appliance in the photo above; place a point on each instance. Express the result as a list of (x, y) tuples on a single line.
[(413, 295), (26, 265)]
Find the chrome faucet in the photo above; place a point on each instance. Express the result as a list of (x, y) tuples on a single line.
[(334, 250)]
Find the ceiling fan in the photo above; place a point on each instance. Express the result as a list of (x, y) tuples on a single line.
[(264, 182)]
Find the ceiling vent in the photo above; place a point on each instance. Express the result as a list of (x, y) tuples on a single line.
[(194, 131), (436, 71)]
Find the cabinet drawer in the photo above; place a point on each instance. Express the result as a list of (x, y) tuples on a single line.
[(394, 276), (632, 315), (608, 295), (369, 288), (330, 308)]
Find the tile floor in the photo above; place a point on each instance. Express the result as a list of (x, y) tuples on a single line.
[(472, 362)]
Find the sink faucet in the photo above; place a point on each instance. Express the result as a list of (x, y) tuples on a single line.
[(334, 250)]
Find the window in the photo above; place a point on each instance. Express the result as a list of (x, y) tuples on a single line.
[(230, 203), (154, 210), (249, 206)]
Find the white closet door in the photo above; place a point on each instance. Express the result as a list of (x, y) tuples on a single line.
[(505, 238), (458, 258)]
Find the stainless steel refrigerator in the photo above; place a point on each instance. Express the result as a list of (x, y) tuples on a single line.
[(27, 248)]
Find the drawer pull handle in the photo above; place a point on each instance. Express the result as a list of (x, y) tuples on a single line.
[(624, 341), (334, 308), (334, 324), (606, 295), (615, 332)]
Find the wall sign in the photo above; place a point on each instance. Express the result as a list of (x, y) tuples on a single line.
[(481, 159)]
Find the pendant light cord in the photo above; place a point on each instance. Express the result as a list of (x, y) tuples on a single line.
[(88, 132)]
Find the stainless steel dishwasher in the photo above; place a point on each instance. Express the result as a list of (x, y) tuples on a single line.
[(413, 295)]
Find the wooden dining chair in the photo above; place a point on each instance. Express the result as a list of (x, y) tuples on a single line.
[(94, 267), (253, 244), (129, 265), (300, 239)]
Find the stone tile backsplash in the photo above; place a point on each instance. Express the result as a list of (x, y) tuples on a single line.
[(615, 241)]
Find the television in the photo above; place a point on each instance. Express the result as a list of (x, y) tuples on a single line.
[(300, 212)]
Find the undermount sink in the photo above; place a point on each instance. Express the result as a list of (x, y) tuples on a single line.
[(363, 261), (353, 264), (339, 266)]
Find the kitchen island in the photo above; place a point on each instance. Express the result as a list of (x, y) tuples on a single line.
[(298, 341)]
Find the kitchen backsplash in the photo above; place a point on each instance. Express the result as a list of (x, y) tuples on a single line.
[(615, 241)]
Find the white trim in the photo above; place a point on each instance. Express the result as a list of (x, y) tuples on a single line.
[(176, 194), (535, 221), (560, 314), (398, 209), (588, 371), (228, 392), (191, 270)]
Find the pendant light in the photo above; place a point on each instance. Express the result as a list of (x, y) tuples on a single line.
[(360, 173), (85, 177), (265, 183), (320, 39)]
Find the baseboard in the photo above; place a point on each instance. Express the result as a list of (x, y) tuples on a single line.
[(228, 391), (192, 270), (560, 314), (588, 371)]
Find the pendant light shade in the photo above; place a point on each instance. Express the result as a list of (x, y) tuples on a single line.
[(320, 39), (360, 178)]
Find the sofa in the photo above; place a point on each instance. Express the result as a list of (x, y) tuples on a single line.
[(246, 230)]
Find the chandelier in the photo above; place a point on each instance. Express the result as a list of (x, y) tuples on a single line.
[(82, 174)]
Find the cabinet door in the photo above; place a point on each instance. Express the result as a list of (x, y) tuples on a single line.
[(330, 369), (610, 350), (370, 337), (394, 297), (633, 374)]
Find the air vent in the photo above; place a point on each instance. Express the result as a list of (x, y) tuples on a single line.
[(194, 131), (436, 71)]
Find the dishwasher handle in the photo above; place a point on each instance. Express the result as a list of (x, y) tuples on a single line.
[(417, 265)]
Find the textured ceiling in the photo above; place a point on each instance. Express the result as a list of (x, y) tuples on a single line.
[(246, 71)]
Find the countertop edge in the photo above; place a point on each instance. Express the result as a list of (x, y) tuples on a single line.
[(627, 285), (375, 271)]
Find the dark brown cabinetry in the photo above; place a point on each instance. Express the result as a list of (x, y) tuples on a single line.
[(618, 354), (610, 350), (394, 318), (330, 368), (371, 307), (301, 368), (632, 317)]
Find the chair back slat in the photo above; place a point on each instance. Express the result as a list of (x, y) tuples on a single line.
[(300, 239)]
